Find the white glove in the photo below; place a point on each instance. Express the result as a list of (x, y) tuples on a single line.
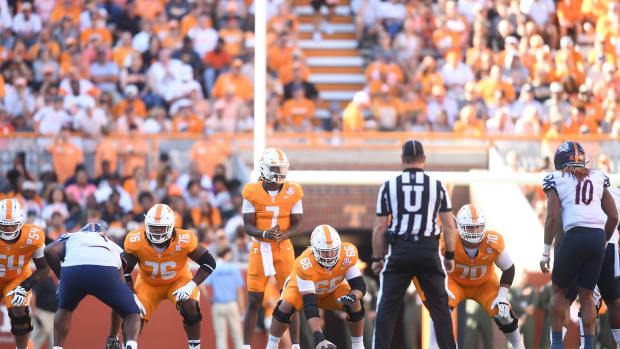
[(19, 296), (140, 306), (596, 296), (184, 292), (501, 302), (326, 345)]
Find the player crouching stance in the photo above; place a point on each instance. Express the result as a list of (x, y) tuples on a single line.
[(324, 276), (19, 243), (477, 251), (162, 252)]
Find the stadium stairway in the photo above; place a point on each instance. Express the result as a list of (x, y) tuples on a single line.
[(336, 66)]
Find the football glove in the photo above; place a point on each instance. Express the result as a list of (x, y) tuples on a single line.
[(501, 302), (347, 299), (326, 345), (140, 306), (184, 292), (19, 294)]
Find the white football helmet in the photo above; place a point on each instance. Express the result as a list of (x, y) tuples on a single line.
[(273, 165), (325, 243), (11, 219), (159, 215), (471, 222)]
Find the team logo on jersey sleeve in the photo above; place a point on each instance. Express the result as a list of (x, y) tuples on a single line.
[(290, 191), (489, 250), (178, 248)]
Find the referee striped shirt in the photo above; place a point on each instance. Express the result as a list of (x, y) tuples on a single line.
[(414, 200)]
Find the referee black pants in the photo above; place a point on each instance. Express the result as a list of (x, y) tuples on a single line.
[(407, 259)]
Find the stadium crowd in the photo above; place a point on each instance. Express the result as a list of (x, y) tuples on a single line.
[(473, 67)]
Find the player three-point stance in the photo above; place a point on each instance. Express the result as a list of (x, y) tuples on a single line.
[(477, 253), (324, 276), (87, 263), (272, 213), (19, 243), (161, 252), (577, 197)]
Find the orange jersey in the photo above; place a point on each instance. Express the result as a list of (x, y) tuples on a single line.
[(325, 281), (166, 267), (472, 272), (271, 211), (15, 258)]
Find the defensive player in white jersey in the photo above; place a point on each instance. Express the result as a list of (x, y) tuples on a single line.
[(91, 265), (578, 198)]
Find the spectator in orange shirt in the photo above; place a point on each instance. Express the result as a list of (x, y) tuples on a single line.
[(133, 151), (243, 86), (209, 152), (387, 110), (284, 21), (67, 8), (149, 9), (280, 53), (45, 40), (569, 62), (468, 124), (232, 36), (216, 61), (488, 86), (185, 120), (65, 155), (352, 117), (580, 123), (428, 75), (584, 99), (569, 17), (298, 112), (98, 27), (123, 50), (106, 151)]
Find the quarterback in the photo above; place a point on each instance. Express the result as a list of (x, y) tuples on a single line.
[(272, 213), (324, 276)]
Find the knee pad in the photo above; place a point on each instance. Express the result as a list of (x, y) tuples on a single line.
[(355, 316), (280, 315), (507, 326), (190, 311), (21, 323)]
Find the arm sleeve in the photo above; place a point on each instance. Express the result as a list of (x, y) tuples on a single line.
[(305, 285), (548, 183), (504, 261), (446, 204), (383, 207), (39, 252), (353, 272), (297, 208), (248, 207)]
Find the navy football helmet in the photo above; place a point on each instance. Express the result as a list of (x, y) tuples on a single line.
[(569, 154), (99, 228)]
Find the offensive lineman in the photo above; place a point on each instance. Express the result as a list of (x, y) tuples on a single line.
[(272, 214), (19, 243), (477, 253), (162, 252), (589, 218), (318, 280)]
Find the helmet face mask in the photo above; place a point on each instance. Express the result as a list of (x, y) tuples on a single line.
[(471, 224), (325, 243), (159, 223), (11, 219), (273, 166)]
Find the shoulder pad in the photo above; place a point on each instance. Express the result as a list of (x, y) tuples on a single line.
[(295, 188), (248, 190), (549, 182), (495, 241), (132, 240)]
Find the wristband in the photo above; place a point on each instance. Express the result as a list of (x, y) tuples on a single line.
[(264, 231), (449, 254), (376, 259), (546, 250), (318, 337)]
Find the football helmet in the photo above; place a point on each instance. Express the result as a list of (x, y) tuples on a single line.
[(569, 154), (11, 219), (98, 228), (471, 222), (273, 165), (159, 222), (325, 243)]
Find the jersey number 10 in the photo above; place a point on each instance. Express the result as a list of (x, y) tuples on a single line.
[(584, 192)]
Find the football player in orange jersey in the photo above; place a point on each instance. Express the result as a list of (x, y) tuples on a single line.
[(19, 243), (325, 275), (272, 213), (476, 254), (161, 252)]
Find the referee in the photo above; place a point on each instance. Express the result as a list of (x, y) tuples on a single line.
[(410, 246)]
